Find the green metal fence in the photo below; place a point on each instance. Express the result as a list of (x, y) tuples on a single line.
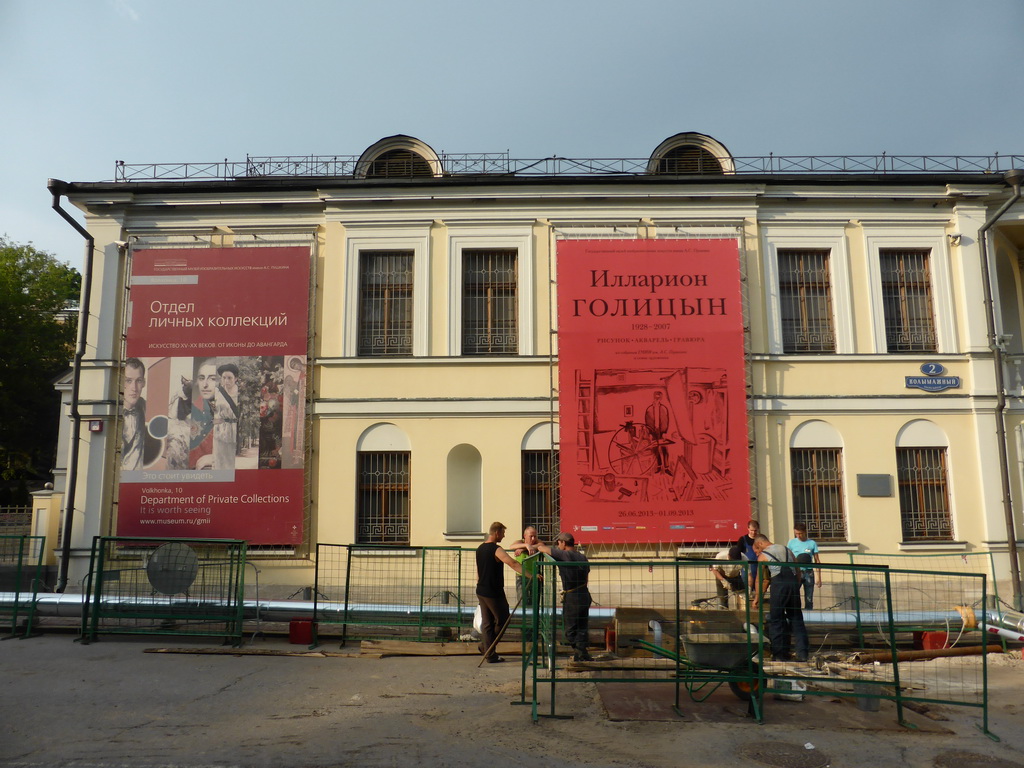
[(21, 572), (662, 623), (952, 562), (417, 593), (180, 587)]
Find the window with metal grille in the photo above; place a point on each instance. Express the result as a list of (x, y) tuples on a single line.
[(688, 160), (805, 293), (398, 163), (907, 300), (540, 493), (924, 498), (382, 503), (385, 303), (817, 479), (490, 309)]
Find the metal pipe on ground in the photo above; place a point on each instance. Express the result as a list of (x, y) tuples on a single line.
[(885, 657), (70, 605)]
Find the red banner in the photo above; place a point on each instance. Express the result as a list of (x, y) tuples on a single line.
[(213, 410), (652, 391)]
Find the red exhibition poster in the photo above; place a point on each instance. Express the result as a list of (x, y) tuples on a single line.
[(652, 391), (214, 389)]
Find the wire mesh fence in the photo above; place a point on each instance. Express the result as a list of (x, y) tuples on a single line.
[(21, 573), (910, 637), (953, 563), (181, 587), (874, 633), (418, 593)]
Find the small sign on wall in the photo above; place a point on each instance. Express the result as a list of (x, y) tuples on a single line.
[(932, 380), (874, 485)]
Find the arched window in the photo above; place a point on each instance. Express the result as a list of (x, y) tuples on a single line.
[(383, 486), (540, 481), (398, 163), (922, 478), (816, 476), (398, 157), (687, 160), (690, 154)]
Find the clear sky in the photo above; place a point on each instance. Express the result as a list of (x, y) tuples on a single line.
[(84, 83)]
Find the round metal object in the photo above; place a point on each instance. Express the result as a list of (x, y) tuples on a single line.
[(780, 755), (172, 568)]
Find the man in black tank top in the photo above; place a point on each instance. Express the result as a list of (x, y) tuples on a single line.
[(490, 589)]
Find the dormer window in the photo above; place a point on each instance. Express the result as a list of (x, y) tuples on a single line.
[(398, 157), (399, 163), (690, 154), (688, 161)]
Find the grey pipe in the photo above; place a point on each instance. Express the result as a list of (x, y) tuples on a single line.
[(72, 606), (57, 188), (1012, 177)]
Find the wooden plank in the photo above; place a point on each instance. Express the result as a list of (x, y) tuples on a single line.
[(410, 648), (249, 652)]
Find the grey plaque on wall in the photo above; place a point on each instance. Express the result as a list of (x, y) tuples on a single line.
[(874, 485)]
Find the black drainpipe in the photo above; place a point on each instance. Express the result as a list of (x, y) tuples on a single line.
[(1013, 178), (57, 188)]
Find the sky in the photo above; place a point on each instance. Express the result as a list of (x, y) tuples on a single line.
[(85, 83)]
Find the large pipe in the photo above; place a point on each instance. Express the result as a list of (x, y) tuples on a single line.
[(57, 187), (1013, 178), (72, 606)]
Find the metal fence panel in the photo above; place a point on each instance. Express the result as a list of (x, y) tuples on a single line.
[(21, 571), (419, 593), (181, 587), (663, 623)]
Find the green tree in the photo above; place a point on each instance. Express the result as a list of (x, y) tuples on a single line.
[(38, 323)]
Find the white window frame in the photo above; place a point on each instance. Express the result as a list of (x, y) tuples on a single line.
[(933, 239), (419, 244), (460, 240), (833, 240)]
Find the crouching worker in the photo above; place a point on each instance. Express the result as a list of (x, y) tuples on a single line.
[(729, 578), (576, 598)]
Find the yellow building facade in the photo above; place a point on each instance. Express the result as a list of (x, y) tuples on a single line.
[(878, 371)]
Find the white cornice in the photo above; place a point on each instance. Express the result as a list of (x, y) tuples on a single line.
[(863, 404), (535, 408)]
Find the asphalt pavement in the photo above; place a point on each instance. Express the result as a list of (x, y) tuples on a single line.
[(116, 703)]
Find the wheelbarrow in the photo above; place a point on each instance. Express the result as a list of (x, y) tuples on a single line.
[(716, 657), (711, 658)]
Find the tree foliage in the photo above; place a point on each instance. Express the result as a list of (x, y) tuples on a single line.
[(37, 338)]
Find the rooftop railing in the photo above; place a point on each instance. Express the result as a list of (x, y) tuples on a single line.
[(492, 164)]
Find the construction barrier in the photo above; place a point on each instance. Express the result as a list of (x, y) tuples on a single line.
[(416, 593), (181, 587), (21, 570), (663, 622)]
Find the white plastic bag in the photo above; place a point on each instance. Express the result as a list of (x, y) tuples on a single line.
[(478, 620)]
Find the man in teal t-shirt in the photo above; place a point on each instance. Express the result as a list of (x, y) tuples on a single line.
[(806, 551)]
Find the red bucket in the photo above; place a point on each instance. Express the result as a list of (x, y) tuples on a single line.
[(300, 632)]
